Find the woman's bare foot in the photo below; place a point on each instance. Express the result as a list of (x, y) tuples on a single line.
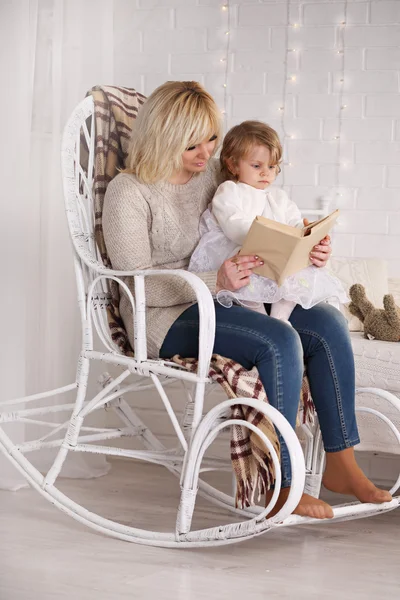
[(344, 476), (307, 507)]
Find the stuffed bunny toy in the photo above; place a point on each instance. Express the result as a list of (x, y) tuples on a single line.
[(379, 323)]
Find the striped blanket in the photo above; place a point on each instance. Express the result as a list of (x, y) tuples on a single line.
[(115, 110)]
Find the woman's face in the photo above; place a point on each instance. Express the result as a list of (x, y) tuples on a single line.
[(195, 158)]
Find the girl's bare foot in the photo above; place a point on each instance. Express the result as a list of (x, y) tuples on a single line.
[(344, 476), (307, 507)]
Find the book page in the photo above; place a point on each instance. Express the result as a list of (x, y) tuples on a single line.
[(300, 259), (321, 223)]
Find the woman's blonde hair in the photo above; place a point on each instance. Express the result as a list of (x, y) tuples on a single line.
[(176, 116), (240, 140)]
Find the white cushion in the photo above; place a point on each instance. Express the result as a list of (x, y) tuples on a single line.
[(377, 362), (370, 272), (377, 366)]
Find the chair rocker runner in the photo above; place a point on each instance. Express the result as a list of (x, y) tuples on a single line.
[(195, 432)]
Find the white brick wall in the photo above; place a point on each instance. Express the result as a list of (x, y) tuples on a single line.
[(159, 40), (156, 40)]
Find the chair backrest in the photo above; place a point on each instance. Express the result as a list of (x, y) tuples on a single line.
[(77, 161), (94, 146)]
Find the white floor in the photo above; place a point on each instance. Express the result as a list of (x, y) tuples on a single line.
[(46, 555)]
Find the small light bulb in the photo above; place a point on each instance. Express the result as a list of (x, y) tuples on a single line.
[(222, 59), (226, 32), (295, 25), (224, 84), (224, 7), (291, 49), (223, 112), (339, 52), (337, 137), (343, 106), (281, 108)]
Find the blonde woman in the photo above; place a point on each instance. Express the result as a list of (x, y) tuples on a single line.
[(151, 220)]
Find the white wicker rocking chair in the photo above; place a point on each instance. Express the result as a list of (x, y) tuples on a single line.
[(197, 431)]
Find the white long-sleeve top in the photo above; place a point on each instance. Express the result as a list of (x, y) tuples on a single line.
[(236, 205)]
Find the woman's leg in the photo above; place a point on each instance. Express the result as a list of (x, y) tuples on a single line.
[(330, 367), (252, 338)]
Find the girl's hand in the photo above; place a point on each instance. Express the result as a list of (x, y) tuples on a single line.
[(320, 254), (235, 272)]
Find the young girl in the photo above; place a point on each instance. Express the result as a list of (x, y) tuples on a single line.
[(250, 159)]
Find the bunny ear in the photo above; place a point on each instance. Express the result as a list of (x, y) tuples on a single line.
[(391, 311), (360, 302), (356, 311), (357, 292)]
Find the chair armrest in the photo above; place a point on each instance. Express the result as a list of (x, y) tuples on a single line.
[(203, 296)]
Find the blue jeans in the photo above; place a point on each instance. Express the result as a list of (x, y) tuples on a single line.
[(319, 339)]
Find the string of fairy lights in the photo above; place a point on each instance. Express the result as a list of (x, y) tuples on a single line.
[(341, 51), (291, 78), (282, 109), (226, 9)]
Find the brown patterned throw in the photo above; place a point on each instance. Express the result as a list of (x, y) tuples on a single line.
[(251, 461), (115, 109)]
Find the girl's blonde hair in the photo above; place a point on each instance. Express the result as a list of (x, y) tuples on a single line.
[(239, 141), (176, 116)]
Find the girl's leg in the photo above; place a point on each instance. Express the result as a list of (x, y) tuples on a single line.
[(274, 348), (330, 367), (282, 309)]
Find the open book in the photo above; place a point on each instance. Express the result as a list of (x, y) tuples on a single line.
[(284, 249)]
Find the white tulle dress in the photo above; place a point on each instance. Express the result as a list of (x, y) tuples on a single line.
[(223, 229)]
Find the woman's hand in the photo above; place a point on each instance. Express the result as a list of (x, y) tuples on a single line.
[(320, 254), (235, 272)]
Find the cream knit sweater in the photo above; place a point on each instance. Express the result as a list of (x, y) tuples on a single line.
[(157, 226)]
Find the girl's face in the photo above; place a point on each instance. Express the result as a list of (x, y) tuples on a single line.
[(255, 169), (195, 159)]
